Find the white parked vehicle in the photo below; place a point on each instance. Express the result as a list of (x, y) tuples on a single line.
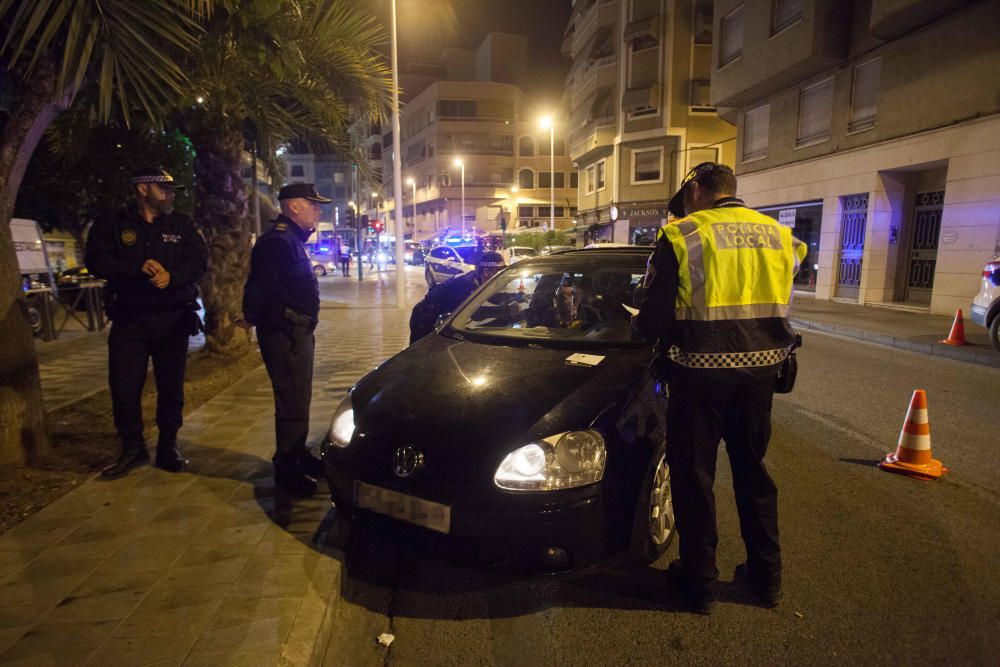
[(445, 262), (985, 309), (516, 253)]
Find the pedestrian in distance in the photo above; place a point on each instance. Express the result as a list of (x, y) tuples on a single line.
[(447, 296), (716, 299), (152, 259), (281, 298), (345, 260)]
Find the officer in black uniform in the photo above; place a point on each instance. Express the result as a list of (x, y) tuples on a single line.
[(447, 296), (152, 259), (281, 299)]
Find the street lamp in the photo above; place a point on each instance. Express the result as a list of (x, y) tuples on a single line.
[(458, 163), (547, 123), (413, 184)]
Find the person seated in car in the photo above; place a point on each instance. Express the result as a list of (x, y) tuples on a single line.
[(565, 303)]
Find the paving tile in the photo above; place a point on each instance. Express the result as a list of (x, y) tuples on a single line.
[(249, 534), (262, 636), (131, 651), (74, 656), (53, 639), (278, 576), (248, 659), (147, 553), (43, 593), (241, 611), (15, 561), (168, 595), (45, 568), (13, 616), (104, 596), (182, 621), (222, 571), (10, 635), (36, 533)]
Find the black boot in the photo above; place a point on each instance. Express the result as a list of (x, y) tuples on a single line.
[(290, 477), (168, 456), (699, 598), (312, 465), (133, 455), (767, 591)]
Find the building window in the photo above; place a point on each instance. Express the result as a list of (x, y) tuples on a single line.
[(756, 128), (701, 30), (731, 47), (599, 175), (297, 170), (545, 179), (525, 211), (560, 211), (647, 166), (784, 13), (560, 147), (456, 108), (574, 179), (815, 113), (590, 180), (643, 42), (525, 179), (699, 154), (864, 96), (338, 177), (701, 97), (526, 147)]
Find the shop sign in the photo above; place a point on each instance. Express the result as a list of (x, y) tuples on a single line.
[(786, 217), (654, 212)]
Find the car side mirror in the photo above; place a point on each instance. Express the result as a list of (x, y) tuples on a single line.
[(441, 319)]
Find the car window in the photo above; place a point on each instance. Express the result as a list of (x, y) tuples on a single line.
[(565, 301), (440, 253), (468, 253)]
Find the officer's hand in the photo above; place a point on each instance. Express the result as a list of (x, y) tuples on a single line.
[(161, 279), (152, 267)]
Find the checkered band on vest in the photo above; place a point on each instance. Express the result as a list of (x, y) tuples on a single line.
[(755, 359)]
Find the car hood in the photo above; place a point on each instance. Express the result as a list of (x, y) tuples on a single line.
[(442, 393)]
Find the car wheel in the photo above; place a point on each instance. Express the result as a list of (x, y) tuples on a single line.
[(429, 277), (995, 333), (35, 320), (319, 270), (654, 528)]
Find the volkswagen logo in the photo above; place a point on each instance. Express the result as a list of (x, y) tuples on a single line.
[(406, 460)]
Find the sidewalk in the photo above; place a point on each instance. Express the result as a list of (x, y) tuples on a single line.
[(210, 567), (905, 329)]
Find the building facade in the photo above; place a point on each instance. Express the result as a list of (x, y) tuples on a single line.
[(641, 113), (474, 125), (872, 127), (331, 175)]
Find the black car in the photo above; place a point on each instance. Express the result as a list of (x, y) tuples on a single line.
[(527, 432)]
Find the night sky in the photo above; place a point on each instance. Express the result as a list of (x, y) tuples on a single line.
[(427, 27)]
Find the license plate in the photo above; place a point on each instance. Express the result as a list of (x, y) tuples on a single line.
[(400, 506)]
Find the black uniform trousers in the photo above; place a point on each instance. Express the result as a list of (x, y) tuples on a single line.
[(289, 362), (136, 338), (704, 407)]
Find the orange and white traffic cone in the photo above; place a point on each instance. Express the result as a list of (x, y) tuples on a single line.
[(913, 453), (957, 335), (520, 286)]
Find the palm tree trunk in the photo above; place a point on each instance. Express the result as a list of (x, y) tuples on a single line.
[(22, 415), (221, 210)]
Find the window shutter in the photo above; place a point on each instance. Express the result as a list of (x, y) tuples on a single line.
[(786, 12), (815, 112), (864, 99), (732, 36), (756, 128)]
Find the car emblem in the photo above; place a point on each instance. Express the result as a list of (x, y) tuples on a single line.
[(406, 460)]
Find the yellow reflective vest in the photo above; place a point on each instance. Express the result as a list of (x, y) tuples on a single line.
[(735, 272)]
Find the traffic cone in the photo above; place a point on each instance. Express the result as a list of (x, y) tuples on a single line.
[(520, 286), (913, 453), (957, 335)]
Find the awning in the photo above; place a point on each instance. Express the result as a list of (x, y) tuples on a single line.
[(646, 27), (637, 98)]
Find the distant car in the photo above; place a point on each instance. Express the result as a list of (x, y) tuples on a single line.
[(591, 246), (73, 277), (413, 253), (516, 253), (985, 309), (549, 249), (446, 261), (322, 265), (521, 434)]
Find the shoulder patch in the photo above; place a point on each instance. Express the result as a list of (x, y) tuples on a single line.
[(280, 227)]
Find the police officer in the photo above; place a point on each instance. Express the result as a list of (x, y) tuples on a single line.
[(152, 259), (716, 297), (447, 296), (281, 299)]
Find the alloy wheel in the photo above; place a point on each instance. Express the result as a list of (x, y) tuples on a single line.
[(661, 504)]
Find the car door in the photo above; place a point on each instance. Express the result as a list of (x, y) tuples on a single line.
[(437, 263)]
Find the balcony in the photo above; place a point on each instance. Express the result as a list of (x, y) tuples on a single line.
[(599, 14), (598, 132)]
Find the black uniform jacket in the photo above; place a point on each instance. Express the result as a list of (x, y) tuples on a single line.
[(118, 247), (281, 277)]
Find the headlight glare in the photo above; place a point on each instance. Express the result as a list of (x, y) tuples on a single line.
[(342, 425), (563, 461)]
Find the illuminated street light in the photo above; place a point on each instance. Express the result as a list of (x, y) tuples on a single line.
[(546, 122), (461, 165)]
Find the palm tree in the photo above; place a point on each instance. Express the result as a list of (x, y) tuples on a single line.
[(51, 50), (294, 70)]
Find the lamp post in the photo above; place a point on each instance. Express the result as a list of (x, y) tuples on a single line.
[(461, 165), (397, 169), (413, 184), (548, 122)]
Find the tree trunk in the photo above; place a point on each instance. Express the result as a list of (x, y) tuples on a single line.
[(22, 414), (221, 210)]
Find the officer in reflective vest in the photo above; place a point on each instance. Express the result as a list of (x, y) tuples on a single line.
[(716, 297)]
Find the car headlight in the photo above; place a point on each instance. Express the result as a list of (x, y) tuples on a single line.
[(342, 424), (562, 461)]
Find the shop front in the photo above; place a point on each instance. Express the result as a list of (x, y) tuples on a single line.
[(644, 221), (804, 220)]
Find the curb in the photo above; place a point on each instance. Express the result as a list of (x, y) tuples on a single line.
[(969, 355)]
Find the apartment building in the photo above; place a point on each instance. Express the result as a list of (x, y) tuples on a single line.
[(641, 113), (474, 126), (331, 175), (871, 127)]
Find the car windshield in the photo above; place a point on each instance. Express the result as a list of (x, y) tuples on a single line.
[(468, 253), (568, 301)]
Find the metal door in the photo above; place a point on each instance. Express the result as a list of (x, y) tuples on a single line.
[(853, 220), (923, 247)]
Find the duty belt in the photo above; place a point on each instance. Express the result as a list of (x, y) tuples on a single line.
[(756, 359)]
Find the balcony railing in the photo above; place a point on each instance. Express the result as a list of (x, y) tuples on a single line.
[(607, 60)]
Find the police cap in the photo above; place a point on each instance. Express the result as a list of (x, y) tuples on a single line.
[(491, 260), (302, 191), (676, 205), (157, 175)]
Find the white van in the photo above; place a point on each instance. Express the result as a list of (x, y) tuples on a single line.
[(985, 309)]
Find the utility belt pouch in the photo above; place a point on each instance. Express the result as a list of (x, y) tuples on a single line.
[(192, 321), (785, 381)]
